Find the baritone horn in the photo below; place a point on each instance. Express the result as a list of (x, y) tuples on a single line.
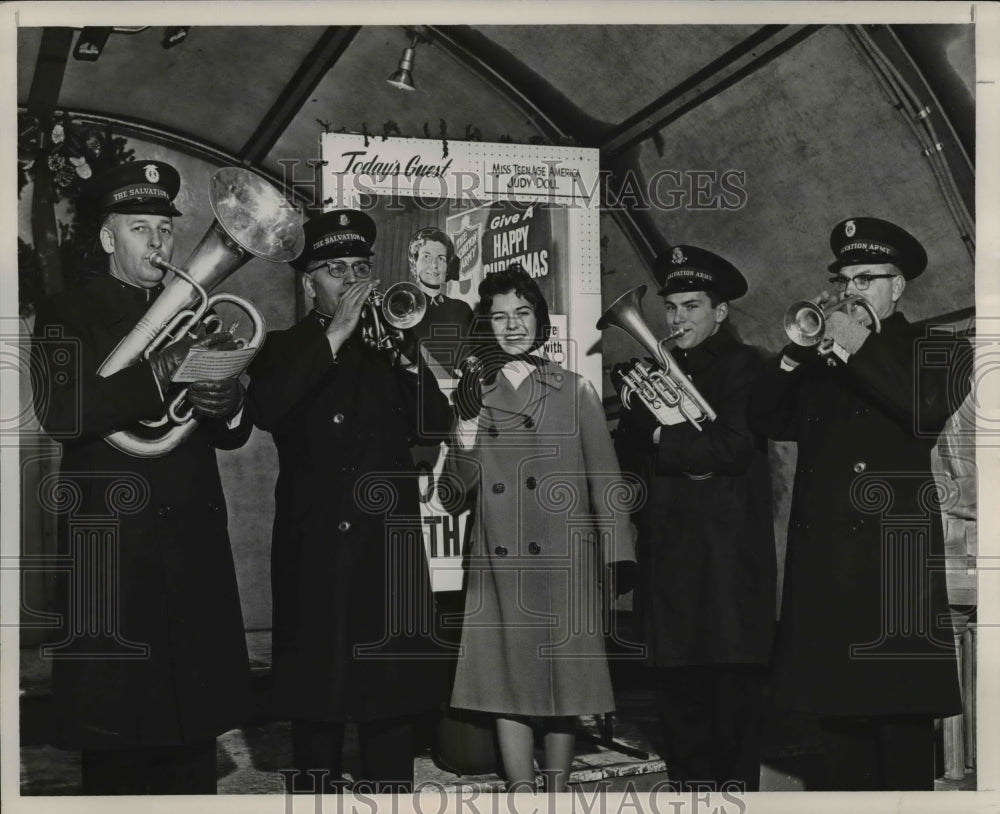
[(252, 219), (386, 314), (660, 386), (805, 321)]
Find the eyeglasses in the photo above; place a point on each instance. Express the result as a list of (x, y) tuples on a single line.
[(861, 281), (362, 268)]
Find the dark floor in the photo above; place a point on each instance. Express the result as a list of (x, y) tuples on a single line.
[(250, 758)]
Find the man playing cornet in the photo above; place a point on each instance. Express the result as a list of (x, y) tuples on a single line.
[(865, 642), (706, 588), (354, 634), (151, 663)]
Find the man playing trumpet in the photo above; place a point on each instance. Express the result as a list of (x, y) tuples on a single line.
[(865, 642), (706, 589), (354, 633)]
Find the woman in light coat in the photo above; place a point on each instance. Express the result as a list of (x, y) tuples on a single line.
[(550, 530)]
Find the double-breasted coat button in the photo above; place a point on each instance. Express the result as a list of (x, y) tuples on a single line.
[(531, 482), (500, 551), (164, 510), (213, 506), (529, 422), (860, 467), (343, 525), (338, 418), (498, 488), (857, 525), (534, 548), (493, 431)]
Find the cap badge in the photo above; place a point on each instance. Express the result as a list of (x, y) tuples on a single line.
[(850, 228), (677, 256), (152, 173), (344, 220)]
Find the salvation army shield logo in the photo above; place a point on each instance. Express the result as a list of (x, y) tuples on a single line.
[(468, 242)]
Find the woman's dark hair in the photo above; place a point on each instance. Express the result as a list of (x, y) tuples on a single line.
[(512, 279)]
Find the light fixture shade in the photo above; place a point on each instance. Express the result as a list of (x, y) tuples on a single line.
[(90, 44), (402, 80), (402, 77), (174, 35)]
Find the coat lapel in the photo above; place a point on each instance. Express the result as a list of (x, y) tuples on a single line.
[(503, 402)]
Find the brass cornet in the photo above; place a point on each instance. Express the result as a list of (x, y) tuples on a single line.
[(662, 386), (386, 314), (805, 321)]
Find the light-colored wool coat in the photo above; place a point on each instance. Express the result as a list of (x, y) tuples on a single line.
[(551, 512)]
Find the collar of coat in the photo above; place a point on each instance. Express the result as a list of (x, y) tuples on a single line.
[(109, 294), (548, 374), (702, 356)]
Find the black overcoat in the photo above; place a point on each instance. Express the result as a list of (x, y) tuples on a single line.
[(864, 624), (162, 658), (707, 574), (354, 625)]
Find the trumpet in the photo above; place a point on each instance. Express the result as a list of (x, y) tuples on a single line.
[(661, 386), (252, 219), (805, 321), (386, 314)]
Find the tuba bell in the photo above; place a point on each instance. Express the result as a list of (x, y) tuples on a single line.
[(805, 321), (252, 219), (386, 314), (660, 386)]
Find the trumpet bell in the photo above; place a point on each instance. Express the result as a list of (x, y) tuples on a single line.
[(805, 323), (404, 305)]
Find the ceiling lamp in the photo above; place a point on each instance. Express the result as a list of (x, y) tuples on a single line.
[(90, 44), (402, 77), (174, 35)]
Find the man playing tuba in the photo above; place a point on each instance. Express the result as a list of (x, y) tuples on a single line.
[(151, 663), (354, 632), (706, 587)]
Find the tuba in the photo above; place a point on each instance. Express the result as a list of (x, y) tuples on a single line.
[(660, 386), (386, 314), (805, 321), (252, 219)]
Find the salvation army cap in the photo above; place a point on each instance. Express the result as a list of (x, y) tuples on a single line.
[(135, 188), (865, 241), (339, 233), (688, 268)]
